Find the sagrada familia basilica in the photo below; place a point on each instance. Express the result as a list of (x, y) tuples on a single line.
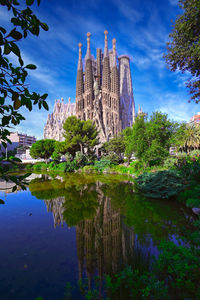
[(104, 94)]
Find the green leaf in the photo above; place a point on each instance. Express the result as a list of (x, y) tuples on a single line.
[(14, 188), (29, 2), (5, 120), (7, 49), (17, 104), (45, 105), (44, 26), (2, 30), (15, 96), (44, 96), (21, 61), (15, 49), (15, 34), (31, 67), (15, 158), (1, 39), (2, 202)]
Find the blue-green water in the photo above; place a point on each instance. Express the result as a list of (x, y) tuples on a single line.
[(78, 226)]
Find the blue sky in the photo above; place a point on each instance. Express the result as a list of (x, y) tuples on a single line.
[(141, 29)]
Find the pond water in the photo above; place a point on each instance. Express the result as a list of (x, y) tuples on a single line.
[(62, 229)]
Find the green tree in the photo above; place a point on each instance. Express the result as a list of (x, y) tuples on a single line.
[(183, 50), (80, 135), (115, 145), (43, 149), (129, 142), (186, 137), (151, 139), (14, 93), (191, 138), (139, 139)]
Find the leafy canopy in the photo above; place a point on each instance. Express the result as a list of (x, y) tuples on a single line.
[(115, 145), (80, 135), (183, 49), (42, 149), (14, 92), (149, 139)]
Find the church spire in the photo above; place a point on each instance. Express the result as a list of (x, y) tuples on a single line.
[(106, 65), (114, 53), (88, 54), (80, 64), (106, 44), (79, 78)]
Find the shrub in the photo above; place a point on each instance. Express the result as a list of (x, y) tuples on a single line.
[(170, 162), (89, 169), (195, 153), (137, 165), (102, 164), (71, 166), (80, 159), (191, 196), (40, 166), (179, 266), (162, 184), (68, 157), (112, 157), (29, 166)]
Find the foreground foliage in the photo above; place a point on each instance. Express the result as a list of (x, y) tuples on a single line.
[(183, 52), (14, 93)]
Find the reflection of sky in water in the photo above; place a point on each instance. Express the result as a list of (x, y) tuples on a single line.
[(38, 259)]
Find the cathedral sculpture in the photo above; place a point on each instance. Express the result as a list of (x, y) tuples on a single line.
[(104, 91), (54, 126), (104, 94)]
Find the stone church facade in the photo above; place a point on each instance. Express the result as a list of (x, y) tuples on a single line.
[(54, 127), (104, 90), (104, 94)]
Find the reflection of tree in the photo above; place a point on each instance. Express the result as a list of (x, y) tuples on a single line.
[(105, 211)]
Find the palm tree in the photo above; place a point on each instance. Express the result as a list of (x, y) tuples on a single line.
[(191, 138)]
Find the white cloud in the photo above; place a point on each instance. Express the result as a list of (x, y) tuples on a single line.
[(177, 108), (173, 2)]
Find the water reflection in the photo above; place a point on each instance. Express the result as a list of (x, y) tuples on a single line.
[(114, 225)]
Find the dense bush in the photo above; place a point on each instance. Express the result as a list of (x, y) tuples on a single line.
[(137, 165), (162, 184), (81, 159), (170, 162), (112, 157), (40, 166), (195, 153), (102, 164), (191, 195), (179, 267)]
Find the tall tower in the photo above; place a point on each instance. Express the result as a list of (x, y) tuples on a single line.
[(106, 84), (79, 86), (88, 93), (114, 94), (127, 105)]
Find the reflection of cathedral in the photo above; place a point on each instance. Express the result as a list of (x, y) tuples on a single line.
[(104, 243), (56, 207)]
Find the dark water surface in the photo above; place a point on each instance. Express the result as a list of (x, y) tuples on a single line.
[(78, 226)]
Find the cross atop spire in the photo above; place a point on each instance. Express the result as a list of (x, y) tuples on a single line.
[(88, 54), (80, 65), (106, 44)]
